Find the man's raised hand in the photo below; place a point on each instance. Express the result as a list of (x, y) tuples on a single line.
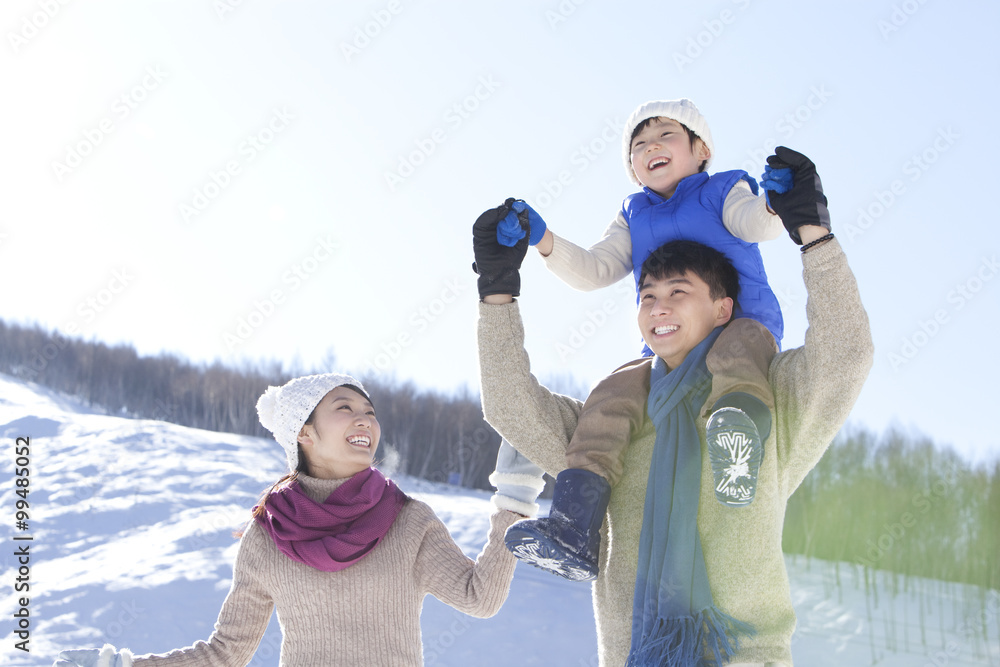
[(499, 265)]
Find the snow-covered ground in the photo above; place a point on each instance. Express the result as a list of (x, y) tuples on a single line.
[(131, 543)]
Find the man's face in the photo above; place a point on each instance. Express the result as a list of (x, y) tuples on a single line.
[(677, 313)]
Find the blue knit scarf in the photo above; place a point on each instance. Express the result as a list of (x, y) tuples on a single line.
[(674, 620)]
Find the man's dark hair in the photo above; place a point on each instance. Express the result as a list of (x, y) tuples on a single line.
[(675, 258), (692, 137)]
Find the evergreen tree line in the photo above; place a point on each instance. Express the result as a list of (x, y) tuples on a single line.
[(891, 502)]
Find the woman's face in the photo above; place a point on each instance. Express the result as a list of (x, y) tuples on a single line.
[(343, 436)]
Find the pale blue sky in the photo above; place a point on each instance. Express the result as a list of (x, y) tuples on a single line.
[(312, 170)]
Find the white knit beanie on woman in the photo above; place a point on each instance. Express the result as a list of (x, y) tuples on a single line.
[(683, 111), (284, 410)]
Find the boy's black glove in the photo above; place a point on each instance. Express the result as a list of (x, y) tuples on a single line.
[(498, 266), (804, 203)]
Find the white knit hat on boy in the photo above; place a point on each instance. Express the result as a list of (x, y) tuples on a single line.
[(683, 111), (284, 410)]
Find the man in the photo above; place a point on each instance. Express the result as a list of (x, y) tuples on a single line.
[(727, 598)]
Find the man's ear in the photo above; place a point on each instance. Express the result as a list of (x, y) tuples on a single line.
[(725, 311)]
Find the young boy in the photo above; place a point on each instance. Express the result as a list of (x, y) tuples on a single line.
[(667, 146)]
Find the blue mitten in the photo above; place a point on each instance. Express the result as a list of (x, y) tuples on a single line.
[(108, 656), (804, 203), (510, 231), (518, 481), (498, 265), (778, 180)]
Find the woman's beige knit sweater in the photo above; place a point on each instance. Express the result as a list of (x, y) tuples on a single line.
[(367, 614)]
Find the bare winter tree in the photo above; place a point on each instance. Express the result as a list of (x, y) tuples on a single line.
[(898, 503)]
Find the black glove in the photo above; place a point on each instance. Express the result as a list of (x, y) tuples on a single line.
[(804, 203), (498, 266)]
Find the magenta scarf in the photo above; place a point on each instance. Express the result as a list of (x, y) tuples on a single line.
[(338, 532)]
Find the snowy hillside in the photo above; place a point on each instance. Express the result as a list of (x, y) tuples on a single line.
[(130, 525)]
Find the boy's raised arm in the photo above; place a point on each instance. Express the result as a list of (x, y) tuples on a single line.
[(602, 264), (746, 216)]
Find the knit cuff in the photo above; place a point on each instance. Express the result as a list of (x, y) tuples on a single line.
[(112, 657), (532, 483), (824, 255), (502, 502), (517, 492)]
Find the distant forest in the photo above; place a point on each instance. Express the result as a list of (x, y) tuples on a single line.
[(892, 502)]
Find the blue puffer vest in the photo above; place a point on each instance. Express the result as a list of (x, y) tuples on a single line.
[(694, 213)]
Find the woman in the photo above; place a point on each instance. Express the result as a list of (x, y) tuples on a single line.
[(342, 553)]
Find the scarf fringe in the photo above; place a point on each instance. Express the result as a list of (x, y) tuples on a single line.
[(708, 639)]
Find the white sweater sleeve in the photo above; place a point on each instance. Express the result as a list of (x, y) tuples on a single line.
[(604, 263), (746, 217)]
